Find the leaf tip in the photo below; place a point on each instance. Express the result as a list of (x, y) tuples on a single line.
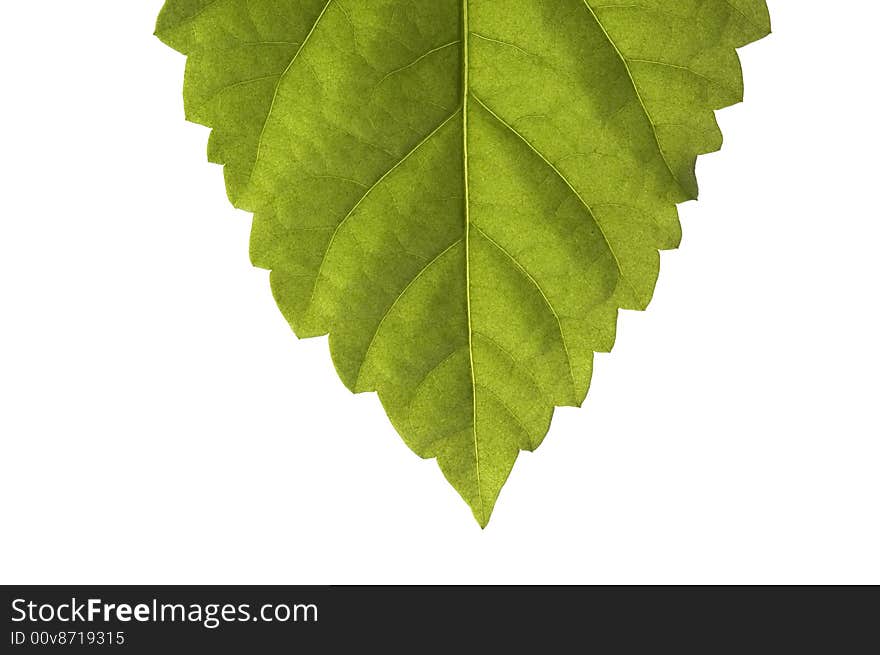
[(482, 519)]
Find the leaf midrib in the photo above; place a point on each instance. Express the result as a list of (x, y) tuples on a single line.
[(465, 93)]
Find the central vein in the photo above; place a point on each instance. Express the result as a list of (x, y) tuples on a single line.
[(465, 92)]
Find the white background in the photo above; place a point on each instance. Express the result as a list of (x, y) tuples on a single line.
[(161, 424)]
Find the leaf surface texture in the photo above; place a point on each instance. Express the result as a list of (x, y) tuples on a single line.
[(462, 194)]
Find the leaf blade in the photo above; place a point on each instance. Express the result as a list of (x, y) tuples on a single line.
[(461, 194)]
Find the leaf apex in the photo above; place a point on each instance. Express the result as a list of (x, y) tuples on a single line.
[(482, 517)]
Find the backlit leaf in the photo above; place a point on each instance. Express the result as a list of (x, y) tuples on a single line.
[(462, 193)]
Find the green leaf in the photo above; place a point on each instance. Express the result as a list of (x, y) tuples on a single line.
[(462, 193)]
